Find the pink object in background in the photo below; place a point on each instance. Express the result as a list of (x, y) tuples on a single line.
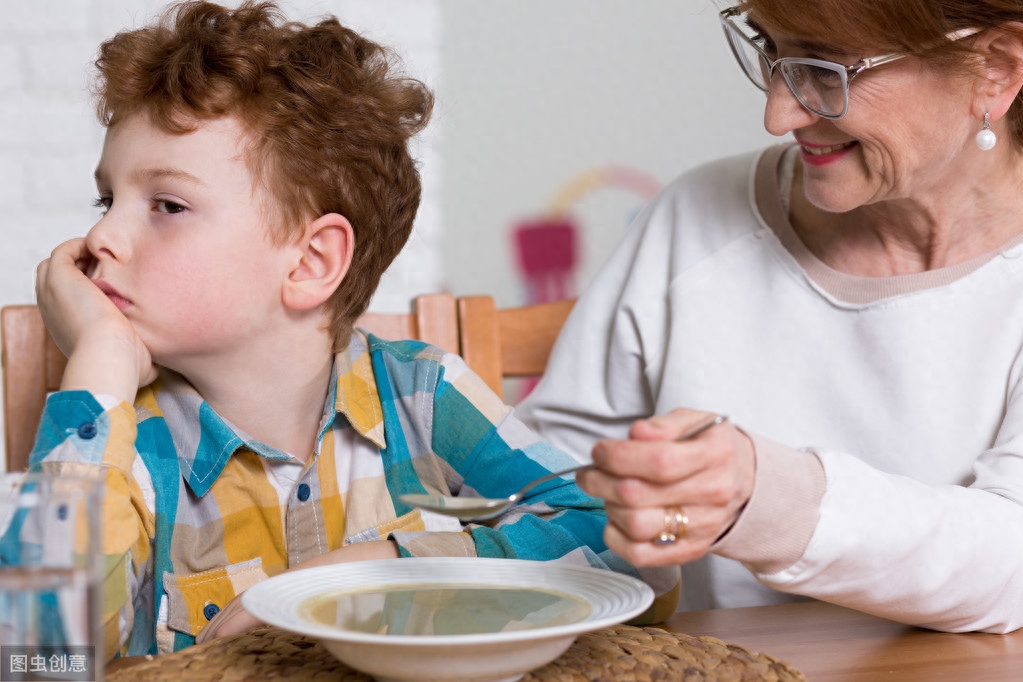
[(546, 250), (547, 247)]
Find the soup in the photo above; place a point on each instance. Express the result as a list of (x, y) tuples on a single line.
[(444, 609)]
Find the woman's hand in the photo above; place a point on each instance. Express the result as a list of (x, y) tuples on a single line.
[(105, 355), (709, 479), (233, 619)]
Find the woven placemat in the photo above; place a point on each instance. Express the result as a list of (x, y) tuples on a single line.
[(614, 654)]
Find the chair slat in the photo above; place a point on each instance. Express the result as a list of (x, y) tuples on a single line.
[(499, 343)]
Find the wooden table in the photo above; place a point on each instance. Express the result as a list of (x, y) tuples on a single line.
[(832, 644)]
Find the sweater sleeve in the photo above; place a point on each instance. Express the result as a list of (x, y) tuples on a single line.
[(777, 523), (829, 526), (606, 369), (944, 557)]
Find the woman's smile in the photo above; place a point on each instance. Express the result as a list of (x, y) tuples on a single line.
[(819, 155)]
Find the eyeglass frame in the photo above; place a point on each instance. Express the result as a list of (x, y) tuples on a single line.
[(847, 73)]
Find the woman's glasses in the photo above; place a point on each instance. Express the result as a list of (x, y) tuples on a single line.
[(822, 87)]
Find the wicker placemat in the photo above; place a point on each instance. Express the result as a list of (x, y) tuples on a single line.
[(619, 653)]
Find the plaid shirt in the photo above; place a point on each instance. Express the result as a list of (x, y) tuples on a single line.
[(196, 511)]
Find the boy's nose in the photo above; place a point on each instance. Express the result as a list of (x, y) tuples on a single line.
[(108, 239), (783, 113)]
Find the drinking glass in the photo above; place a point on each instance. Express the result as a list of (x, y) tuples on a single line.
[(50, 577)]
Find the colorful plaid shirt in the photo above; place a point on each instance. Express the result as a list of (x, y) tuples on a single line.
[(195, 511)]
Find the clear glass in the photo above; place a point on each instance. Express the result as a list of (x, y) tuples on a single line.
[(821, 86), (50, 577)]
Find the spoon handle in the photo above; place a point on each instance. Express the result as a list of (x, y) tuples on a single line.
[(697, 430), (692, 433), (543, 479)]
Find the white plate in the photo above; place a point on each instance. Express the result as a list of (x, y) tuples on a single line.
[(606, 598)]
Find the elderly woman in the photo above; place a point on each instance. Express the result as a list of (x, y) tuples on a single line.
[(853, 301)]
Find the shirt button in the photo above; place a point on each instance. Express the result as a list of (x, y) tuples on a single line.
[(87, 431), (303, 492), (210, 610)]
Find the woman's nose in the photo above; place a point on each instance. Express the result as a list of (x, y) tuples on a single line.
[(783, 112)]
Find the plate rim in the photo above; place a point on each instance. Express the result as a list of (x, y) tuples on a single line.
[(642, 593)]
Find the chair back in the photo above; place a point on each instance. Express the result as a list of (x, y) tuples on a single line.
[(499, 343), (434, 319), (33, 365), (32, 368)]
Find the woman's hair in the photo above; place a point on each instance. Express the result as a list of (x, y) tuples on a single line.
[(883, 26), (328, 120)]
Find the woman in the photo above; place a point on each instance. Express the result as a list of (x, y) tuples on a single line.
[(853, 302)]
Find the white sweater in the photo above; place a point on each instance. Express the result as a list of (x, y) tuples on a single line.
[(899, 486)]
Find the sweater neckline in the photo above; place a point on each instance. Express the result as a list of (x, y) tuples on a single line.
[(772, 180)]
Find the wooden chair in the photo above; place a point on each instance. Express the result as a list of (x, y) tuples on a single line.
[(32, 368), (433, 319), (33, 365), (500, 343)]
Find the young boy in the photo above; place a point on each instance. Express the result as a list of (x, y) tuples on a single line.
[(256, 182)]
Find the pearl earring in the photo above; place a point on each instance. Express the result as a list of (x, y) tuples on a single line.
[(986, 137)]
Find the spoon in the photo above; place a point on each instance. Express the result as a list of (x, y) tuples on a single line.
[(481, 508)]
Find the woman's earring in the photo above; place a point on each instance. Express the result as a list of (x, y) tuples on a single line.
[(986, 138)]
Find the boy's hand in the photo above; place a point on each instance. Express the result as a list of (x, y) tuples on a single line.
[(233, 619), (105, 355)]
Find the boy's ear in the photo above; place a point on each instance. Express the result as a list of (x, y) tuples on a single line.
[(323, 256)]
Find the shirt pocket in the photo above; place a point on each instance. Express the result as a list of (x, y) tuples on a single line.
[(194, 599)]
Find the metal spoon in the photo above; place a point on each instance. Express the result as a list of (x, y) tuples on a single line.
[(480, 508)]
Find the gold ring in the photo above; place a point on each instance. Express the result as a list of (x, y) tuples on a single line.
[(676, 523)]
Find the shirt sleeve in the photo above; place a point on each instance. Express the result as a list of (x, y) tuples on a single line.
[(493, 454), (80, 432)]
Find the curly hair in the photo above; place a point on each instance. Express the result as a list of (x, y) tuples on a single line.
[(908, 26), (329, 120)]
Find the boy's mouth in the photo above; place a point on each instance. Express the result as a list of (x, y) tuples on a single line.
[(115, 297)]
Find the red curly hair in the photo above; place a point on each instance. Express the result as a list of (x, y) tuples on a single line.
[(329, 120)]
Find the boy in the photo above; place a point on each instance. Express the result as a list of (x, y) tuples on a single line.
[(256, 182)]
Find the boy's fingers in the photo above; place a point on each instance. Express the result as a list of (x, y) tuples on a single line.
[(233, 619), (72, 252), (74, 249)]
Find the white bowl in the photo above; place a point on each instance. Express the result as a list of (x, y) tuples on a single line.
[(539, 608)]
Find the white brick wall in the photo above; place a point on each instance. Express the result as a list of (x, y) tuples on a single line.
[(50, 140)]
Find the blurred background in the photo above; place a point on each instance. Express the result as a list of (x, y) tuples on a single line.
[(555, 121)]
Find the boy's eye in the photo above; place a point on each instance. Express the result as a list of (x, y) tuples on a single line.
[(169, 207), (103, 203)]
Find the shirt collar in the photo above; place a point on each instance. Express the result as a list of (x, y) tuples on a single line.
[(355, 393), (205, 441)]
